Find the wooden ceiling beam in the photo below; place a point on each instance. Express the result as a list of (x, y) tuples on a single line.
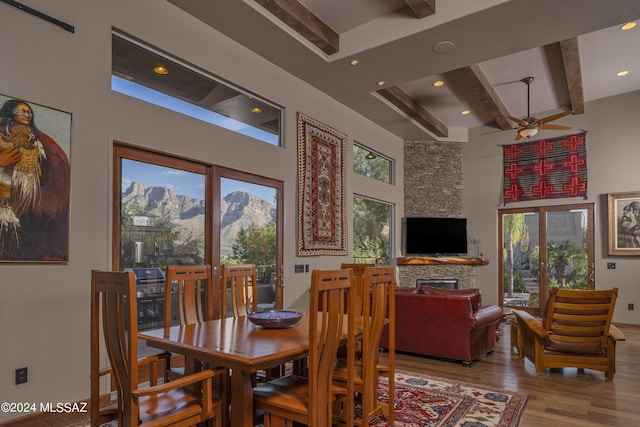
[(422, 8), (415, 111), (305, 23), (479, 84), (573, 72)]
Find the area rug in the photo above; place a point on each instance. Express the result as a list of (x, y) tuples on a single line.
[(425, 401)]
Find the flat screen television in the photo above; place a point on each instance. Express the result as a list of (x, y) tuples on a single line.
[(436, 236)]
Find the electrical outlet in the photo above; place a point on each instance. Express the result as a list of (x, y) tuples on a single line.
[(21, 375), (630, 306), (611, 266)]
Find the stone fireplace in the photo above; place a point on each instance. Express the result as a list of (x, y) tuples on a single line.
[(433, 185)]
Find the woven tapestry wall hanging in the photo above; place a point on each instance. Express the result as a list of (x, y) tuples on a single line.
[(545, 169), (321, 188)]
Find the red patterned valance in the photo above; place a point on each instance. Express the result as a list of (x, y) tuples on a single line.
[(545, 169)]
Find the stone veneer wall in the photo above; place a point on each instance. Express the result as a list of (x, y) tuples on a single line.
[(433, 185)]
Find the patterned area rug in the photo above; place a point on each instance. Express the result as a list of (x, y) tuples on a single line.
[(424, 401)]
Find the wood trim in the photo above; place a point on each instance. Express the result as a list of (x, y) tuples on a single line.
[(305, 23), (440, 260), (414, 110), (479, 84), (422, 8), (573, 72)]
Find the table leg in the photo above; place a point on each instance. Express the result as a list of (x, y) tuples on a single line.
[(241, 399)]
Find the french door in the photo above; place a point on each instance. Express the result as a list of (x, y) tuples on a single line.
[(541, 248), (171, 210)]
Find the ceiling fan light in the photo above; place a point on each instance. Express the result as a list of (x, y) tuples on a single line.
[(528, 132)]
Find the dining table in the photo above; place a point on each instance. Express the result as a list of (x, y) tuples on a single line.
[(239, 345)]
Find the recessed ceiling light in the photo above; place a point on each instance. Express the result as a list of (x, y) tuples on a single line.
[(256, 110), (354, 62), (628, 26), (438, 83), (622, 73), (161, 70), (465, 112), (381, 83)]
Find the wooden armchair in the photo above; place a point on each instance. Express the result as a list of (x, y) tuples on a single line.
[(240, 285), (575, 332), (184, 402), (309, 400)]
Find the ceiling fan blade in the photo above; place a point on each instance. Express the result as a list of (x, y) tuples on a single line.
[(550, 126), (520, 122), (518, 136), (554, 117)]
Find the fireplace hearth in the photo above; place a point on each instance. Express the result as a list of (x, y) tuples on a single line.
[(438, 283)]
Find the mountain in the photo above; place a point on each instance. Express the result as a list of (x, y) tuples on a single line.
[(161, 204)]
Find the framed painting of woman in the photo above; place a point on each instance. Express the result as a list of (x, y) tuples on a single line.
[(35, 146)]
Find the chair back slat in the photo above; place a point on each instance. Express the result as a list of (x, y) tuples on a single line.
[(580, 316), (194, 288), (239, 284), (113, 295), (379, 289), (357, 288), (329, 296)]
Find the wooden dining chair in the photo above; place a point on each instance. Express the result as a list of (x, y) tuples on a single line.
[(378, 310), (576, 331), (309, 400), (196, 302), (193, 288), (240, 286), (107, 408), (183, 402)]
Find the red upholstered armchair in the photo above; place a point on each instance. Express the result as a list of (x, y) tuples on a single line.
[(444, 323)]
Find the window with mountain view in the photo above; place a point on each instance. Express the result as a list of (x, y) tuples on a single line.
[(165, 214)]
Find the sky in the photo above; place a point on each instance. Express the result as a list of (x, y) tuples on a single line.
[(157, 98)]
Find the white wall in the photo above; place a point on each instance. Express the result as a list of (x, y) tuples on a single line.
[(44, 309), (613, 150)]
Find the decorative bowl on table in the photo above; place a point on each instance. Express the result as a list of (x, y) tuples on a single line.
[(275, 319)]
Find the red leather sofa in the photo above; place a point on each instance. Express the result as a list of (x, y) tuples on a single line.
[(450, 324)]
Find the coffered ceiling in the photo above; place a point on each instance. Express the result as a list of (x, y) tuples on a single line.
[(479, 49)]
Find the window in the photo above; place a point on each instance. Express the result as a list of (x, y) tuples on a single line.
[(146, 74), (542, 248), (166, 211), (372, 235), (372, 164)]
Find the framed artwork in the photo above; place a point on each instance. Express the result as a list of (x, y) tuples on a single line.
[(322, 221), (35, 147), (624, 223)]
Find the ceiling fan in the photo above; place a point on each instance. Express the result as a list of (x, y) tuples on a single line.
[(530, 126)]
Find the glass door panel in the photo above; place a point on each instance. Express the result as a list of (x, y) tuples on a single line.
[(567, 249), (542, 248), (521, 246), (249, 233)]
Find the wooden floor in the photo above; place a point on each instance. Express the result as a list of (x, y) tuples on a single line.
[(561, 397)]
